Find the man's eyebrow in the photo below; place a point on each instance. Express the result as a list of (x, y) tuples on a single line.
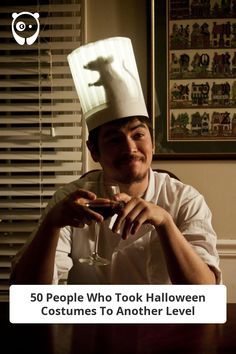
[(110, 131), (113, 130), (140, 125)]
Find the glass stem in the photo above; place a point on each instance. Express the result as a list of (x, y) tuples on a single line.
[(97, 231)]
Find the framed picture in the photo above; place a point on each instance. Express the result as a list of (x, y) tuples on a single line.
[(193, 78)]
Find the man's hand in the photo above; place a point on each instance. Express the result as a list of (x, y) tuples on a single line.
[(73, 210), (136, 212)]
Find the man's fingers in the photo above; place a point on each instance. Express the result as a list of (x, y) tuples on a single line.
[(133, 221), (82, 194), (134, 214), (87, 213), (122, 197), (76, 208), (124, 214)]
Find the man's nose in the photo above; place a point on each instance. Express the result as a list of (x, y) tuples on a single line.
[(129, 145)]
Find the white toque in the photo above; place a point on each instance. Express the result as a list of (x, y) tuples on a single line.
[(107, 81)]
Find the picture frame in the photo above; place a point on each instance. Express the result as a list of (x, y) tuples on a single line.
[(192, 105)]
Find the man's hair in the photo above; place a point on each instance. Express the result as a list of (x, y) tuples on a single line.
[(94, 133)]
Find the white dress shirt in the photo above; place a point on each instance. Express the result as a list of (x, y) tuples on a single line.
[(139, 259)]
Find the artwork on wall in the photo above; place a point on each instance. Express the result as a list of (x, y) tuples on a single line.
[(194, 78)]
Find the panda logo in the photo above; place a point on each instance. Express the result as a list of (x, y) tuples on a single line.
[(25, 27)]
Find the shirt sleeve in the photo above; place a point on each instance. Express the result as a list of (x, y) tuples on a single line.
[(63, 261), (195, 223)]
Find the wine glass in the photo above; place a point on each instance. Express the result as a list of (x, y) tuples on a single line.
[(105, 205)]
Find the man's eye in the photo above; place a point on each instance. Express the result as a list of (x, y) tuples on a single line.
[(139, 135), (114, 140)]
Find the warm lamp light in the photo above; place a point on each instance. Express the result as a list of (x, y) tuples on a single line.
[(107, 81)]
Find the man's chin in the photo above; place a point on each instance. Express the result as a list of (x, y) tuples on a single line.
[(131, 177)]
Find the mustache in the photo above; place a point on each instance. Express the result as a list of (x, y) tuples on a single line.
[(128, 158)]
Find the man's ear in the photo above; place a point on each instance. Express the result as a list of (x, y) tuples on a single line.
[(93, 152)]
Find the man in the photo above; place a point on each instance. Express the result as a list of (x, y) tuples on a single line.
[(162, 235)]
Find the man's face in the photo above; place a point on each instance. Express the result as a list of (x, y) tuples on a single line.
[(125, 153)]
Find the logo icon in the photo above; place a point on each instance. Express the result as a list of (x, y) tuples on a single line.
[(25, 27)]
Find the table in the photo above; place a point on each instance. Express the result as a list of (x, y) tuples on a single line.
[(119, 339)]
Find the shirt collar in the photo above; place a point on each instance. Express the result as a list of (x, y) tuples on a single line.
[(149, 195)]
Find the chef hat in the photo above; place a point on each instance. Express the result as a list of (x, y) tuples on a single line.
[(107, 81)]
